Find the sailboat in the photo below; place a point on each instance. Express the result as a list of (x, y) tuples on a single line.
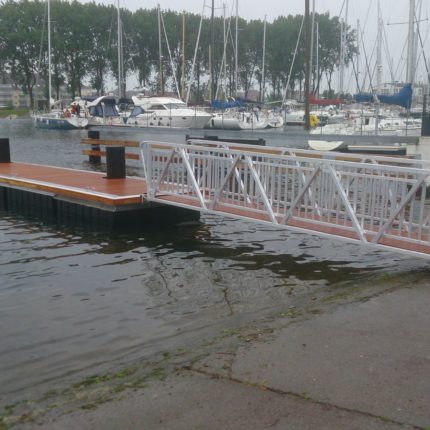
[(166, 111), (56, 120)]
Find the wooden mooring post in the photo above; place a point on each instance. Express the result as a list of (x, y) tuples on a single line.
[(115, 162), (95, 159), (4, 150)]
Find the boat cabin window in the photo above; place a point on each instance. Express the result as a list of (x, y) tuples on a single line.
[(175, 106), (157, 107), (137, 110)]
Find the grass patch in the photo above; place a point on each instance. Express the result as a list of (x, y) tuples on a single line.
[(4, 113), (98, 379), (8, 411), (292, 312)]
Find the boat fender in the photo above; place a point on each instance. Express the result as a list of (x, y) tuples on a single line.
[(313, 120)]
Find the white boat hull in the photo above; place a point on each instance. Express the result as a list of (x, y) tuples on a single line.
[(178, 120), (239, 122)]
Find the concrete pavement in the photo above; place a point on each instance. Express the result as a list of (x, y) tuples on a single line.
[(359, 365)]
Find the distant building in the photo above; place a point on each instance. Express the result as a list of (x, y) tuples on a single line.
[(12, 96)]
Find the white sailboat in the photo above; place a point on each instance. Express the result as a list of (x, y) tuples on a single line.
[(237, 120), (57, 119)]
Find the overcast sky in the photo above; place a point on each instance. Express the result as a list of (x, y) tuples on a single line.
[(393, 13)]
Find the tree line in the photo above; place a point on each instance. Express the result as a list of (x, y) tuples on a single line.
[(84, 49)]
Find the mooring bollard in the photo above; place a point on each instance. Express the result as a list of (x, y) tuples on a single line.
[(425, 125), (425, 121), (96, 159), (115, 161), (4, 150)]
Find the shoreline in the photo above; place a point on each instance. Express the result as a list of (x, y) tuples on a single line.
[(327, 383)]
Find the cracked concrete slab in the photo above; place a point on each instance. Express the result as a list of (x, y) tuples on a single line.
[(372, 357), (194, 402)]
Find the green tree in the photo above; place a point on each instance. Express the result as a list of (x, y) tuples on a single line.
[(21, 26), (144, 50), (84, 48), (98, 33)]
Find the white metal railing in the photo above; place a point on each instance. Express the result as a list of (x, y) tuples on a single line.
[(375, 200)]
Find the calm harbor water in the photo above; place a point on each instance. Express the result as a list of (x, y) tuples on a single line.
[(75, 303)]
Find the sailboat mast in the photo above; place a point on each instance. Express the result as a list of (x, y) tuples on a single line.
[(358, 56), (236, 66), (263, 77), (119, 49), (49, 56), (224, 55), (344, 29), (312, 45), (379, 52), (378, 68), (211, 55), (411, 44), (307, 64), (317, 30), (183, 56), (120, 59), (160, 56)]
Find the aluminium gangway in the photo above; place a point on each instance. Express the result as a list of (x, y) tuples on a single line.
[(373, 200)]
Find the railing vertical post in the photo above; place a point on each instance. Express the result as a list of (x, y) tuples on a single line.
[(95, 159)]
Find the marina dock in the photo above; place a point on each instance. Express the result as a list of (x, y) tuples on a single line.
[(377, 201), (83, 198)]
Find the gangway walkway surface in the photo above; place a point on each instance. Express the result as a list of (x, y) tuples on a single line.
[(372, 200)]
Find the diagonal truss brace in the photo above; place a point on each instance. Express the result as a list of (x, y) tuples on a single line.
[(224, 182), (399, 208), (347, 204), (299, 197), (261, 189), (193, 180), (163, 173)]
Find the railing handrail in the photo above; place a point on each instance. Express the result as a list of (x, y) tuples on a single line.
[(376, 203), (291, 154)]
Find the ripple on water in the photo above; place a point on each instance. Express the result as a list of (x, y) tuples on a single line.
[(73, 304)]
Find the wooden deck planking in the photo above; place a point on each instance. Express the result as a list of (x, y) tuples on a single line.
[(82, 184)]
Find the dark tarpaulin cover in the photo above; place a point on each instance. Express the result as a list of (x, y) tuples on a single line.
[(402, 98)]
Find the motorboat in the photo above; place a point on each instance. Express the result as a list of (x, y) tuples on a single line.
[(151, 111)]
